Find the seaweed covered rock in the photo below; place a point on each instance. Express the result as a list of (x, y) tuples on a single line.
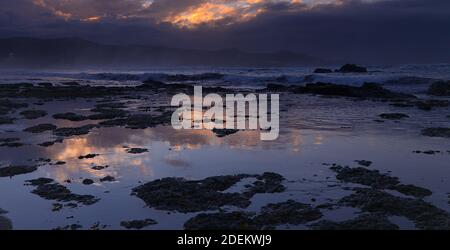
[(178, 194), (352, 68), (6, 105), (288, 212), (137, 150), (6, 120), (67, 132), (364, 163), (33, 114), (69, 116), (50, 190), (40, 128), (224, 132), (436, 132), (271, 215), (88, 156), (441, 88), (16, 170), (139, 121), (138, 224), (393, 116), (322, 71), (108, 179), (11, 142), (375, 179), (423, 214)]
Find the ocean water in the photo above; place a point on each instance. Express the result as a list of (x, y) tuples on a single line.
[(238, 77)]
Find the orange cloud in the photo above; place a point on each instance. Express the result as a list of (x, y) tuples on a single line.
[(190, 14), (204, 13)]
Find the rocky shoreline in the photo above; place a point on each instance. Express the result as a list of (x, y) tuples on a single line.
[(209, 205)]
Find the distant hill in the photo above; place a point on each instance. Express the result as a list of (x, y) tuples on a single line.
[(74, 52)]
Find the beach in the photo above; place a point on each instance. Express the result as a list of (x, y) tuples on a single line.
[(90, 150)]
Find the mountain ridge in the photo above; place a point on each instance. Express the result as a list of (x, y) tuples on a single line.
[(27, 52)]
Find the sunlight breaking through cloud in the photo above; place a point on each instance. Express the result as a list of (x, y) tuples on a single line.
[(186, 13)]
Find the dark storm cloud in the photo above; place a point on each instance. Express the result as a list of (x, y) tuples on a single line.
[(361, 31)]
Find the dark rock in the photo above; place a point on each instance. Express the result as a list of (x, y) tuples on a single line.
[(14, 144), (70, 83), (427, 152), (224, 132), (439, 88), (436, 132), (152, 84), (7, 106), (352, 68), (39, 181), (139, 121), (137, 224), (40, 128), (99, 167), (364, 163), (365, 176), (88, 182), (50, 143), (266, 183), (6, 120), (16, 170), (48, 189), (371, 221), (10, 142), (9, 139), (289, 212), (88, 156), (137, 150), (393, 116), (72, 227), (70, 116), (412, 190), (375, 179), (108, 179), (273, 87), (45, 84), (322, 71), (178, 194), (402, 104), (428, 105), (107, 113), (33, 114), (424, 215), (67, 132)]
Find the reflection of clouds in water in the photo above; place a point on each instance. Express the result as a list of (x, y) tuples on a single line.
[(176, 162), (113, 155), (318, 140), (110, 142)]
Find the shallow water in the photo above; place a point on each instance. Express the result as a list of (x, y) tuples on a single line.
[(314, 131)]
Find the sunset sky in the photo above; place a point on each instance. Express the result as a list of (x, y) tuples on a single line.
[(325, 28)]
